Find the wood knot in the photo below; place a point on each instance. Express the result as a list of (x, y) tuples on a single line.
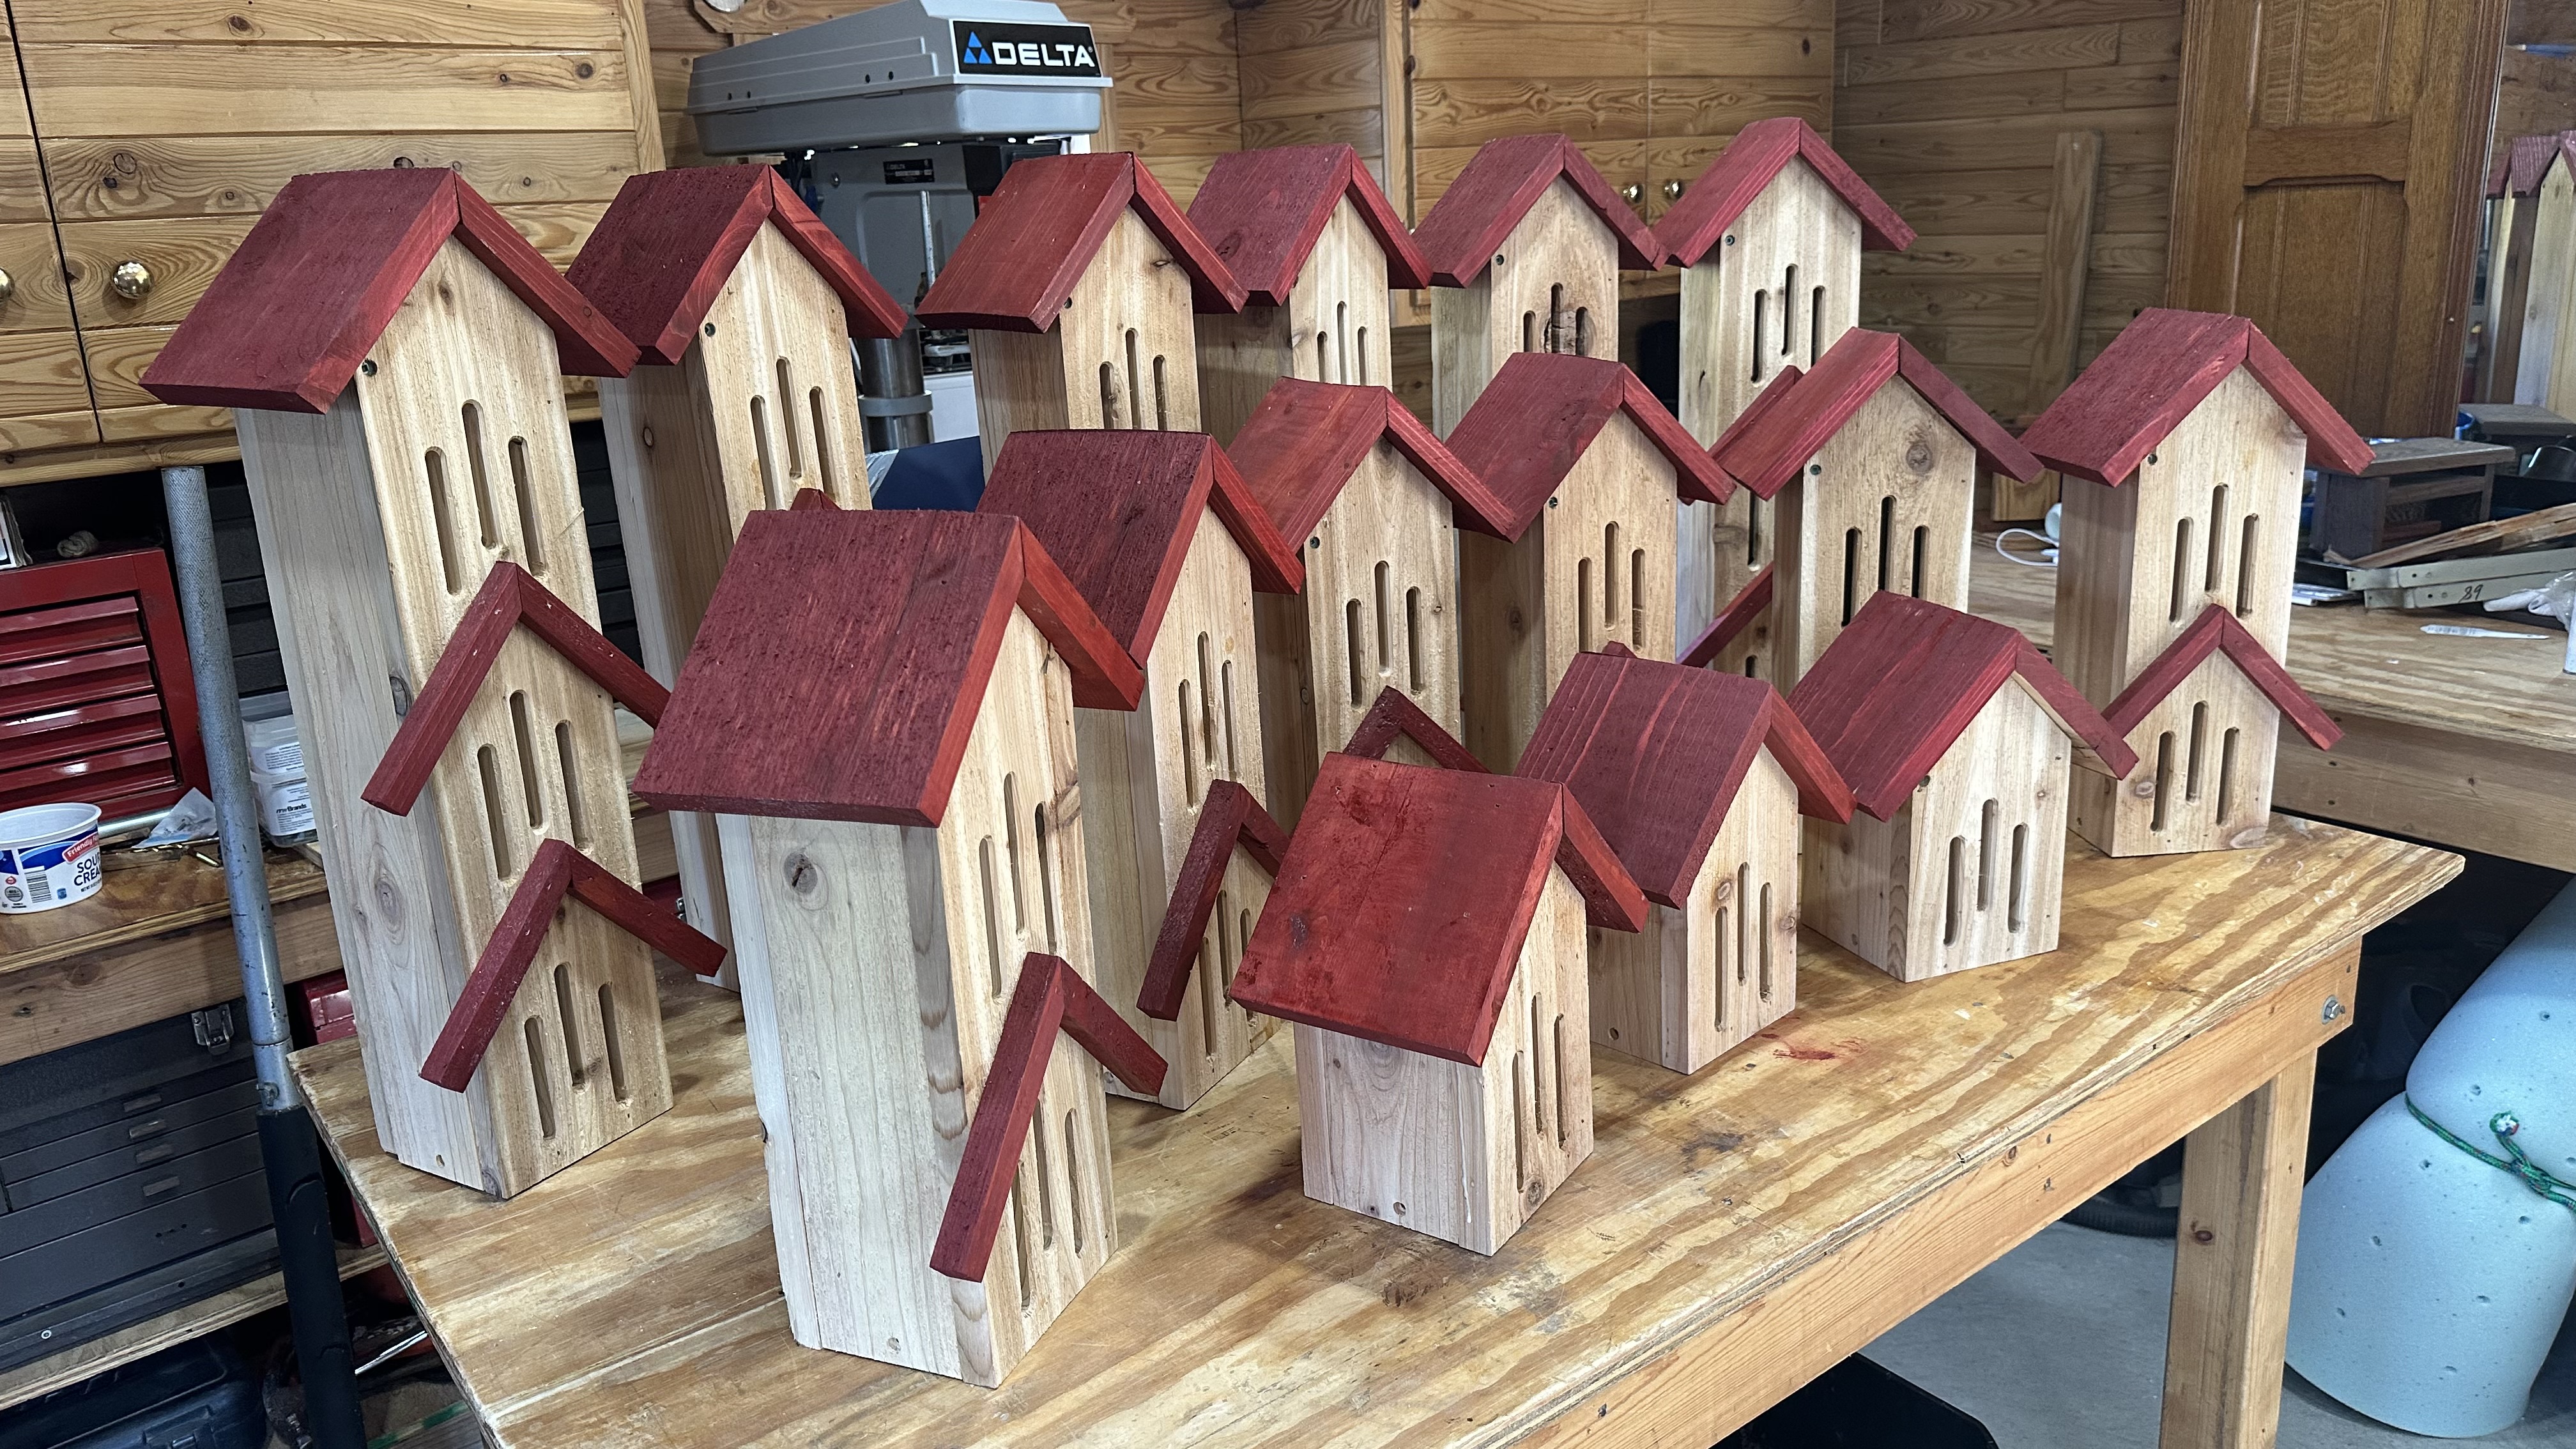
[(237, 24), (585, 70), (2203, 1235), (802, 877), (1918, 456)]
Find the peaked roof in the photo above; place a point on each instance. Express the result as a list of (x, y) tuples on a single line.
[(1228, 817), (1655, 753), (1906, 676), (2217, 632), (287, 321), (1392, 716), (2154, 373), (1541, 412), (1399, 912), (556, 870), (1505, 179), (1749, 604), (1300, 448), (1117, 508), (1262, 211), (1799, 413), (839, 668), (1730, 183), (2519, 169), (1016, 267), (668, 243)]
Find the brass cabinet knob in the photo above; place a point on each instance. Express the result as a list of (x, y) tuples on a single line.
[(1632, 193), (1673, 189), (131, 280), (8, 285)]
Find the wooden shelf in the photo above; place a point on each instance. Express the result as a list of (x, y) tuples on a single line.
[(85, 1360)]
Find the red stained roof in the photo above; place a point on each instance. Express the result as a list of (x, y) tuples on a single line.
[(1302, 445), (1542, 411), (1799, 413), (1894, 690), (1392, 716), (842, 661), (1499, 186), (658, 259), (2151, 377), (1399, 912), (2217, 632), (1262, 211), (1749, 604), (1730, 183), (1117, 508), (2519, 169), (1229, 818), (1655, 753), (287, 321), (1017, 265)]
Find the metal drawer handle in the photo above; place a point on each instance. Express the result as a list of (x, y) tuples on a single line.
[(131, 280), (8, 285), (1632, 193), (1673, 189)]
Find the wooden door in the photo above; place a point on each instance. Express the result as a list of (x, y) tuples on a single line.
[(44, 386), (2327, 169)]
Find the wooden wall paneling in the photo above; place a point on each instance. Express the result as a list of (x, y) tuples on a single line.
[(2058, 335), (44, 380), (2334, 200)]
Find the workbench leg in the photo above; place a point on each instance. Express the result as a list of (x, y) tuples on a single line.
[(2241, 1176)]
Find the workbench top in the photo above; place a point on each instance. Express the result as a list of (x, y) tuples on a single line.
[(1740, 1229)]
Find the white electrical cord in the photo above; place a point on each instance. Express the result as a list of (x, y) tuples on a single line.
[(2047, 548)]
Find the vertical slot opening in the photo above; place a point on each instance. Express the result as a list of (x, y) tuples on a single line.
[(1135, 384), (1609, 578), (1753, 666), (1011, 851), (992, 920), (770, 496), (1323, 357), (1886, 541), (787, 423), (1046, 1182), (1225, 688), (2020, 877), (1520, 1123), (1385, 618), (2196, 752), (531, 538), (1560, 1082), (1211, 961), (1021, 1254), (571, 1027), (1789, 311), (2217, 572), (1583, 604), (2181, 570), (1529, 332), (1162, 396), (1763, 977), (1207, 708), (488, 765), (1342, 341), (1743, 919), (2164, 779), (1582, 347), (538, 1081), (1413, 639), (1108, 396), (1717, 961), (1187, 724), (1752, 528), (2226, 774), (2245, 568), (1988, 825), (1242, 942), (1815, 325), (822, 443), (1761, 309), (1556, 322), (1954, 897), (611, 1043), (1362, 348), (1046, 877), (1851, 573), (573, 816), (1073, 1177), (1922, 546), (1351, 639), (1229, 949), (441, 513), (1538, 1068), (480, 467), (525, 734), (1637, 597)]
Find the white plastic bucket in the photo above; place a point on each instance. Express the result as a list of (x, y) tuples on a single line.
[(48, 857)]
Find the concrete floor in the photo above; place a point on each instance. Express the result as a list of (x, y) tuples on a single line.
[(2061, 1345)]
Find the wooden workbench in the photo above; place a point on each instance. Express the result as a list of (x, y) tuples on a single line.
[(2469, 743), (1734, 1233)]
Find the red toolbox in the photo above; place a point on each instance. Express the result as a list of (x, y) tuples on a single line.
[(96, 702)]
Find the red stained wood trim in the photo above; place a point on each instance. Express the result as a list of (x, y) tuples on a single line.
[(670, 241), (1749, 604), (1729, 184), (1037, 233), (1791, 420), (1049, 995), (809, 499), (1505, 179), (1105, 676), (1277, 566), (1261, 211), (1302, 446), (2216, 631), (286, 322), (2332, 442), (1612, 900), (2518, 169), (1393, 714), (1229, 818), (555, 872), (508, 599), (1541, 412)]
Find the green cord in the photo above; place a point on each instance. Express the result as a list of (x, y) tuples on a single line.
[(2505, 1126)]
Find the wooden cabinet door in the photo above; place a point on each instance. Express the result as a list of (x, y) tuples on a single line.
[(44, 385), (2327, 169)]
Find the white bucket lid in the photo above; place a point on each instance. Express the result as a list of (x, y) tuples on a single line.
[(44, 824)]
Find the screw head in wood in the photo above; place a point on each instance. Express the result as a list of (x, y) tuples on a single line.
[(368, 367), (1815, 470), (1498, 259), (2333, 1009), (2151, 457), (1730, 238), (1551, 503), (711, 329)]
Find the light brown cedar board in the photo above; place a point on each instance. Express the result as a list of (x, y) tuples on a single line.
[(2519, 531), (1242, 1310)]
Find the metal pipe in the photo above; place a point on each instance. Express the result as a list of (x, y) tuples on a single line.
[(893, 408), (289, 1150)]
